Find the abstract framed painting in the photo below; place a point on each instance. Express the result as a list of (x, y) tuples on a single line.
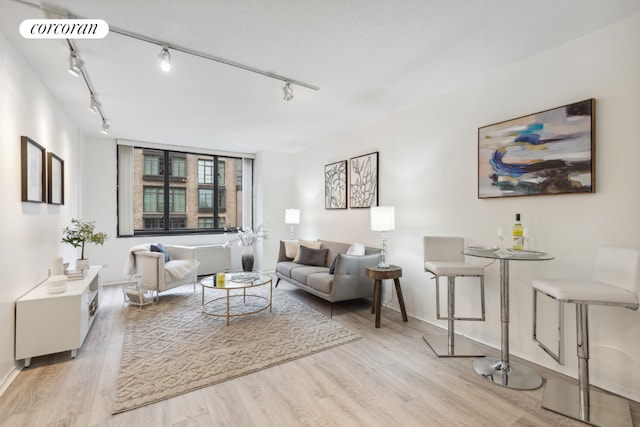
[(33, 171), (363, 171), (335, 185), (550, 152), (55, 179)]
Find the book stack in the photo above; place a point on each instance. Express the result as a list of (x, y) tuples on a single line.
[(74, 274)]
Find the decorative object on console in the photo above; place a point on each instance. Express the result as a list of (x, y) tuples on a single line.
[(383, 220), (248, 238), (335, 185), (55, 180), (33, 171), (291, 217), (549, 152), (78, 234), (57, 284), (56, 266), (364, 180)]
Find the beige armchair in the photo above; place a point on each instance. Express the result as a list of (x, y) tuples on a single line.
[(155, 273)]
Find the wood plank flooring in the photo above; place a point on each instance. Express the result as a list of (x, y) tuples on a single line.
[(388, 378)]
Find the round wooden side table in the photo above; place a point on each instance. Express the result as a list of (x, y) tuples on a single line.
[(378, 274)]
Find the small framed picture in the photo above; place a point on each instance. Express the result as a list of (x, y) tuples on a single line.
[(33, 171), (55, 179)]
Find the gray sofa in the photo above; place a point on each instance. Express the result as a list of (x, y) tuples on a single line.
[(346, 283)]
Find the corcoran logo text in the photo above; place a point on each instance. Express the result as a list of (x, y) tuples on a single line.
[(64, 28)]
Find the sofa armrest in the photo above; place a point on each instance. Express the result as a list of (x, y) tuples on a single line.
[(181, 252), (355, 264), (150, 268)]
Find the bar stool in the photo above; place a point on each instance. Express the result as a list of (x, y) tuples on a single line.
[(616, 282), (443, 257)]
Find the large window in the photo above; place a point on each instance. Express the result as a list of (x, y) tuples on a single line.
[(180, 192)]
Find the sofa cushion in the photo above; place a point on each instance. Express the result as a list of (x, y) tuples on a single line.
[(308, 244), (302, 272), (320, 281), (285, 267), (159, 247), (317, 257)]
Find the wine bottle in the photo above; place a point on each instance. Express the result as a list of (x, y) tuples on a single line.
[(518, 234)]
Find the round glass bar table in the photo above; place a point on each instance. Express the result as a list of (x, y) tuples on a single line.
[(502, 371), (236, 281)]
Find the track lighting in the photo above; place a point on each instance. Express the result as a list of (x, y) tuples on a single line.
[(288, 92), (105, 127), (75, 63), (95, 104), (165, 59)]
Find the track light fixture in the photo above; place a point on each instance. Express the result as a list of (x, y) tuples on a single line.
[(95, 105), (165, 59), (75, 63), (288, 91), (105, 127)]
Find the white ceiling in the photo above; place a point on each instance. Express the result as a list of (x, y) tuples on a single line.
[(370, 58)]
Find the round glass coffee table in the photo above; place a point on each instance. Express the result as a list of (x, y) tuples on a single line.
[(221, 306)]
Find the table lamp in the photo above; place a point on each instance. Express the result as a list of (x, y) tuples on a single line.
[(383, 219), (292, 217)]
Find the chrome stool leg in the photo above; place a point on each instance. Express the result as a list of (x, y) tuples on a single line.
[(581, 403), (453, 345)]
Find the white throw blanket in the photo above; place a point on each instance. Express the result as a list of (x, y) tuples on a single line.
[(180, 268), (130, 265)]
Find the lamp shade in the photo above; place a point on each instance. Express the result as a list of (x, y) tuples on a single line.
[(383, 218), (292, 216)]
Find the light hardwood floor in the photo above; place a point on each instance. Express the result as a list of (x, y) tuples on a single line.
[(388, 378)]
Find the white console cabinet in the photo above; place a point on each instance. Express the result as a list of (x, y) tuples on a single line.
[(50, 323)]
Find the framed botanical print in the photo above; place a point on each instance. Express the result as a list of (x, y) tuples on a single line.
[(363, 190), (335, 185)]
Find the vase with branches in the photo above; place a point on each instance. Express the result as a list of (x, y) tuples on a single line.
[(247, 238)]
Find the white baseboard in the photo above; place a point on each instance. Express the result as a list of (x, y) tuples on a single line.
[(6, 382)]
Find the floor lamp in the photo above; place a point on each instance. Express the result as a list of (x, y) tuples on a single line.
[(383, 219), (292, 217)]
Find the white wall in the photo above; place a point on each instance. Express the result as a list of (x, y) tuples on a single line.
[(428, 171), (31, 232)]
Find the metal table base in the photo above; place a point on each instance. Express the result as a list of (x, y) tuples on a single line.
[(502, 371), (511, 375)]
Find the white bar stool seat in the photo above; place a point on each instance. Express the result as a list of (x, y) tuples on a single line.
[(616, 282), (443, 257)]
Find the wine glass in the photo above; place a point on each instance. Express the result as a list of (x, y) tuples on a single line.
[(527, 238), (501, 236)]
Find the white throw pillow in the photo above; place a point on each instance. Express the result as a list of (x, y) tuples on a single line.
[(356, 249), (308, 244)]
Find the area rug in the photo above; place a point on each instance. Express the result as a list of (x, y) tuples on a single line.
[(171, 348)]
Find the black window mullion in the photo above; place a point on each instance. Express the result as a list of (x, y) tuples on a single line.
[(166, 176), (215, 192)]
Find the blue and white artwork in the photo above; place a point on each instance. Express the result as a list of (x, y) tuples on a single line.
[(550, 152)]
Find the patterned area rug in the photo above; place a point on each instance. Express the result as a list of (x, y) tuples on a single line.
[(171, 348)]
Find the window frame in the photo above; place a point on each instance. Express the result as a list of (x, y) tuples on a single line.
[(243, 210)]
